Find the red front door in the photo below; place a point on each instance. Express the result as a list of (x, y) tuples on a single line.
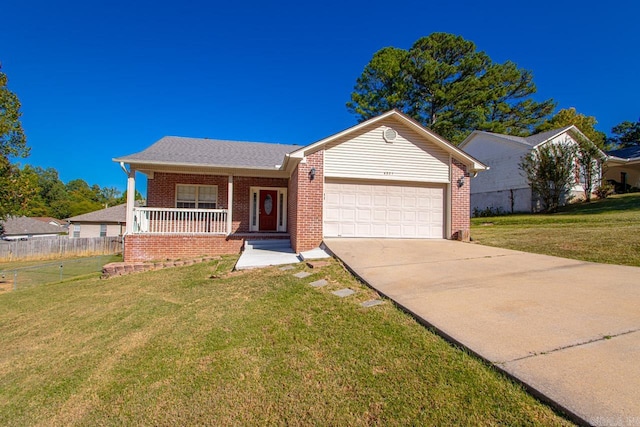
[(268, 211)]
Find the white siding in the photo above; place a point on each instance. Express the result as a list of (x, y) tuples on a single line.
[(367, 155), (503, 158)]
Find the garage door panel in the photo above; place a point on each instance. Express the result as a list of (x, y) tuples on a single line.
[(379, 215), (395, 211)]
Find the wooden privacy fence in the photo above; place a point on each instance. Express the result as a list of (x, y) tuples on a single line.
[(57, 247)]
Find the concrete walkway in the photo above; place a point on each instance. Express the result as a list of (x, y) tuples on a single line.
[(263, 253), (569, 330)]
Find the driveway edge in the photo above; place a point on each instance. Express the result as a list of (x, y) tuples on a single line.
[(560, 409)]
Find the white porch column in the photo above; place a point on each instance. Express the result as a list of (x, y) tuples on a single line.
[(131, 199), (229, 204)]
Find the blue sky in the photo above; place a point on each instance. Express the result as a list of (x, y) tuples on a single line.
[(102, 79)]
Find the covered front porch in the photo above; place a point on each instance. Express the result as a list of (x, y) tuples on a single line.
[(195, 214)]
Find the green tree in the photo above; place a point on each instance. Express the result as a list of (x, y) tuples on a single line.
[(443, 82), (14, 188), (570, 116), (550, 170), (82, 198), (109, 196), (626, 134), (590, 161)]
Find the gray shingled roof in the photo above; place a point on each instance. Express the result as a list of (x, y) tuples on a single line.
[(212, 152), (532, 140), (626, 153), (116, 214), (538, 138), (17, 225)]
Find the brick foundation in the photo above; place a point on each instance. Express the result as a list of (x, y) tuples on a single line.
[(138, 247)]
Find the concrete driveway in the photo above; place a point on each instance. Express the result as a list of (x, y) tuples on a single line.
[(568, 329)]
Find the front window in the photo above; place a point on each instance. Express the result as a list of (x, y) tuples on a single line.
[(196, 196), (103, 230), (76, 230)]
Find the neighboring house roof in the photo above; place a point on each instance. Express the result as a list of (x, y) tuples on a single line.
[(51, 220), (19, 225), (629, 153), (474, 164), (531, 141), (114, 214), (179, 151)]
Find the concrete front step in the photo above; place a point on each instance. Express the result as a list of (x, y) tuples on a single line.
[(267, 244)]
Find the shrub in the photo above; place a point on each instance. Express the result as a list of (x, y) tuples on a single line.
[(486, 212), (604, 190)]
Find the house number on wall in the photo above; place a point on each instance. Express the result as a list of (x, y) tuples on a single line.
[(388, 173)]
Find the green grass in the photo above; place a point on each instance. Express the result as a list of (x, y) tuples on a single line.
[(32, 273), (200, 345), (606, 231)]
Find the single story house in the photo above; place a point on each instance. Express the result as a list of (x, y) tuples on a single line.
[(504, 186), (23, 228), (623, 169), (102, 223), (386, 177)]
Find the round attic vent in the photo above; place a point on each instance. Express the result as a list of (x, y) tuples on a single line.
[(389, 135)]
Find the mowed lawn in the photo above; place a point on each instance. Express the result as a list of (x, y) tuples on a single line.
[(201, 345), (606, 231)]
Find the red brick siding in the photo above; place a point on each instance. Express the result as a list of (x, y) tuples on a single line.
[(241, 198), (460, 200), (305, 203), (161, 192), (139, 247)]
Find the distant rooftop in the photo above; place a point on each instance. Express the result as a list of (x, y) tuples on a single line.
[(117, 214), (19, 225), (212, 152), (533, 140), (626, 153)]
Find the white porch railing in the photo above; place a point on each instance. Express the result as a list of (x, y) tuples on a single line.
[(179, 221)]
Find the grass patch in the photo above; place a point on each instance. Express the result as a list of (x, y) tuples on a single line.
[(175, 347), (33, 273), (605, 231)]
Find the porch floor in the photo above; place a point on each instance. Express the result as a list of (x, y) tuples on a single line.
[(262, 253)]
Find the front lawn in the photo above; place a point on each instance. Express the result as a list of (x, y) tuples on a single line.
[(200, 345), (606, 231)]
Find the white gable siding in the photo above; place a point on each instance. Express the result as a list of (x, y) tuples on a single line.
[(367, 155), (503, 158)]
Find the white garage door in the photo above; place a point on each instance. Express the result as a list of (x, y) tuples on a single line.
[(401, 211)]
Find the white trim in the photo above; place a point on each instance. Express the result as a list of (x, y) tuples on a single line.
[(196, 201), (282, 213), (229, 204)]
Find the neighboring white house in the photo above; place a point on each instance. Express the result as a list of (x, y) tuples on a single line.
[(105, 222), (504, 186)]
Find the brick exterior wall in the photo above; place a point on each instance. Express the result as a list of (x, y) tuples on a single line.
[(139, 247), (161, 192), (305, 204), (460, 197), (241, 188)]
